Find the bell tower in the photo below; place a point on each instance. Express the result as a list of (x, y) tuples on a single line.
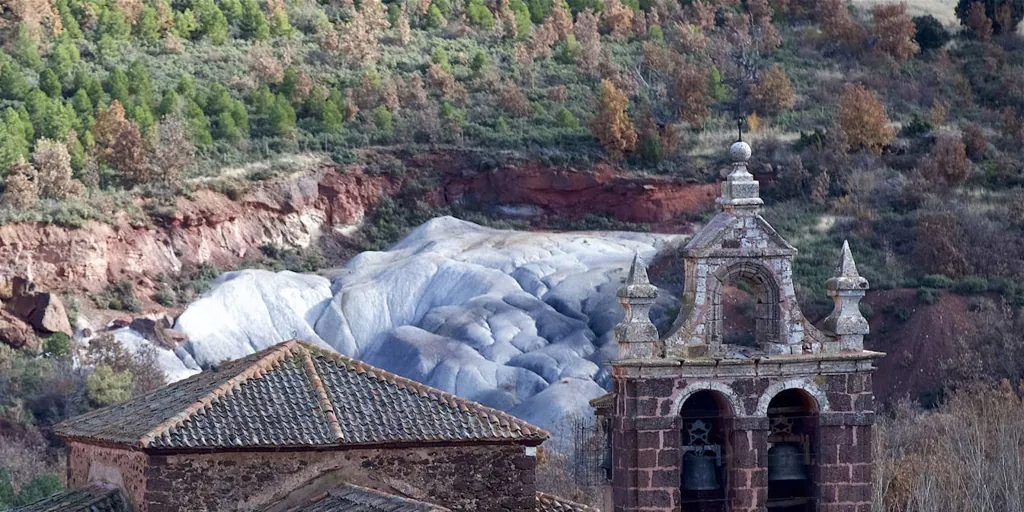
[(782, 424)]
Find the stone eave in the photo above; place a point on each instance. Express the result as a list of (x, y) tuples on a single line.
[(761, 366)]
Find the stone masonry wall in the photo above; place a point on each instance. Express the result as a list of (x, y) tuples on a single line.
[(125, 468), (479, 478), (646, 437)]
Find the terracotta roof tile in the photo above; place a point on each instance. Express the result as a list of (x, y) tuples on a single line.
[(95, 498), (295, 394), (353, 498)]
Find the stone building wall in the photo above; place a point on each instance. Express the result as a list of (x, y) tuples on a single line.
[(647, 436), (479, 478), (89, 463)]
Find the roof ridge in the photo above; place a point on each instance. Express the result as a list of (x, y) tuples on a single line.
[(485, 413), (255, 370), (325, 401)]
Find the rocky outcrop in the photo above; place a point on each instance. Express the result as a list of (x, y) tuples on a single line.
[(289, 211), (603, 190), (15, 333)]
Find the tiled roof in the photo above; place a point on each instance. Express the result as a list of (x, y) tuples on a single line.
[(551, 503), (352, 498), (95, 498), (295, 394)]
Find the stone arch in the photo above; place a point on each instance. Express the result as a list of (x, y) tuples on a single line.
[(804, 384), (726, 392), (765, 287)]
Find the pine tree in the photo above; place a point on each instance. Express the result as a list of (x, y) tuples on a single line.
[(331, 118), (148, 26), (26, 48), (253, 24), (112, 22), (13, 84), (479, 15), (139, 82), (63, 57), (117, 86), (185, 24), (50, 84), (282, 117), (212, 23), (169, 103), (198, 124), (14, 138), (226, 129)]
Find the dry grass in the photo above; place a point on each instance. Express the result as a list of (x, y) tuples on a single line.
[(941, 9)]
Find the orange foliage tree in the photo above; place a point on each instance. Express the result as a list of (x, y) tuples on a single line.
[(611, 125), (863, 118), (895, 31), (773, 92)]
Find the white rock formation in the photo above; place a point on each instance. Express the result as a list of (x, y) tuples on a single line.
[(518, 321)]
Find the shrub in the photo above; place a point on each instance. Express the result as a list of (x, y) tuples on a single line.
[(928, 295), (929, 32), (937, 281), (108, 387), (58, 345), (120, 296), (1000, 16), (895, 31), (948, 160), (773, 92), (917, 127), (971, 285)]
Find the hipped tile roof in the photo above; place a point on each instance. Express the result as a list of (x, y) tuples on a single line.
[(295, 394), (551, 503), (353, 498), (95, 498)]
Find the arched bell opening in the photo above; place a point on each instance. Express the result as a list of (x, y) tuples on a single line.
[(706, 422), (744, 306), (792, 455)]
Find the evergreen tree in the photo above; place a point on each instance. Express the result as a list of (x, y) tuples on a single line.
[(112, 22), (186, 87), (282, 117), (226, 129), (143, 116), (240, 115), (479, 15), (262, 101), (139, 82), (212, 23), (87, 82), (539, 10), (67, 19), (198, 123), (50, 84), (478, 63), (82, 104), (524, 20), (232, 10), (253, 24), (168, 103), (383, 119), (331, 118), (63, 57), (434, 17), (117, 86), (147, 27), (279, 25), (26, 48), (185, 24), (13, 84), (14, 139)]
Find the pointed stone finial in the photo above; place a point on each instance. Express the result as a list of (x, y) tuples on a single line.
[(846, 288), (740, 190), (636, 335)]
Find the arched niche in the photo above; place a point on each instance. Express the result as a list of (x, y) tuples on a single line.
[(756, 279), (792, 451), (706, 421)]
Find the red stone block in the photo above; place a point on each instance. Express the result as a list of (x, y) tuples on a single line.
[(656, 498), (861, 473), (835, 473), (854, 493)]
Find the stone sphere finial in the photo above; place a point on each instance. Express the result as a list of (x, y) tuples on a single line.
[(740, 151)]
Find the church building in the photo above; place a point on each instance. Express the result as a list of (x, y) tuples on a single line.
[(780, 421)]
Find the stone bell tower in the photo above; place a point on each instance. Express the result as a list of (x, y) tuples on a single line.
[(782, 424)]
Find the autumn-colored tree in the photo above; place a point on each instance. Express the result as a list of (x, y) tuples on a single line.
[(948, 162), (542, 39), (611, 124), (560, 19), (512, 100), (773, 92), (975, 141), (589, 38), (507, 25), (978, 22), (864, 119), (172, 150), (359, 41), (839, 26), (53, 170), (689, 88), (402, 31), (939, 245), (617, 18), (1004, 15), (118, 143), (264, 64), (20, 190), (701, 14), (895, 31), (414, 94)]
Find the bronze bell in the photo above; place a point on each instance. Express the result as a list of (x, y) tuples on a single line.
[(699, 471), (786, 462)]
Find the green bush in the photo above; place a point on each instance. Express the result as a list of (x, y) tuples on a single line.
[(930, 34), (119, 296), (104, 386), (937, 281), (58, 345), (928, 295), (971, 285)]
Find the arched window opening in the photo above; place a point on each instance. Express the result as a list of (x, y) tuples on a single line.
[(739, 314), (792, 419), (744, 306), (706, 422)]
